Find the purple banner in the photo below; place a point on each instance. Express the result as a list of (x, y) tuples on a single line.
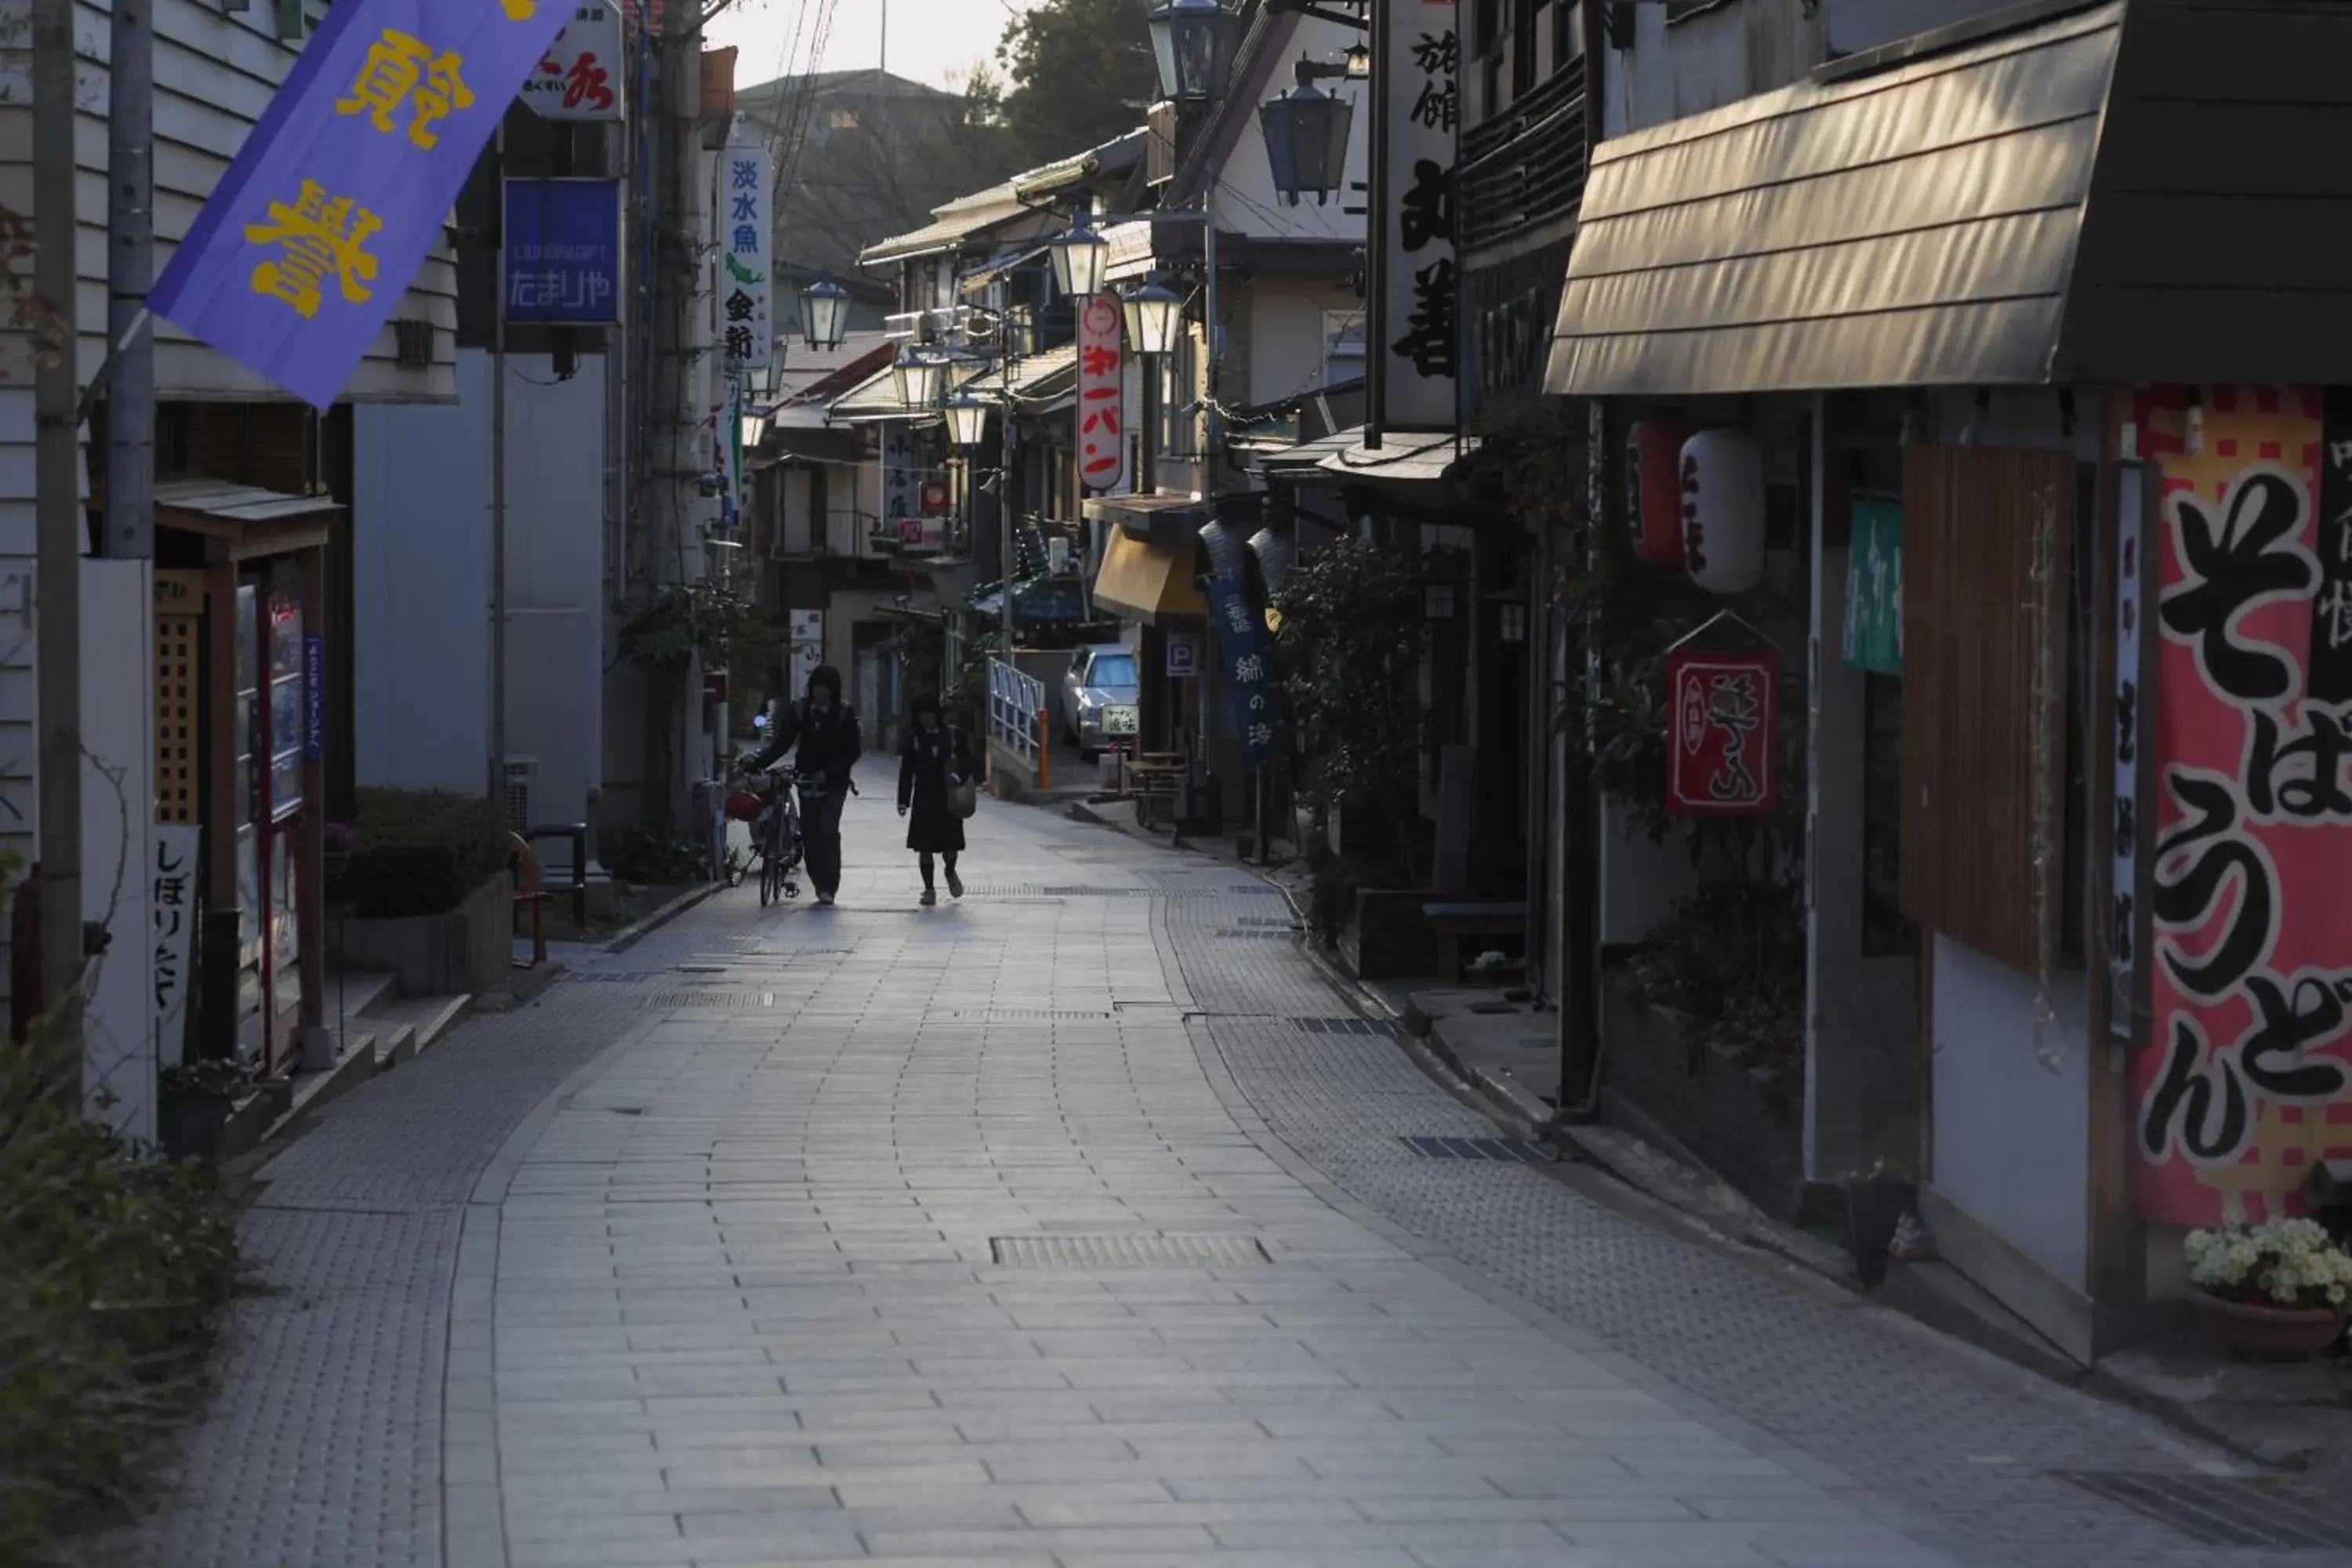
[(317, 229)]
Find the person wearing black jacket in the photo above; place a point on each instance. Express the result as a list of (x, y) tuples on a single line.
[(935, 760), (825, 727)]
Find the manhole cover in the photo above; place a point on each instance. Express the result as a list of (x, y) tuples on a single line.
[(1504, 1150), (1344, 1026), (1126, 1251), (2217, 1511)]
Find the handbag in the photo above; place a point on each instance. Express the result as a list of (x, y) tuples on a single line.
[(963, 799)]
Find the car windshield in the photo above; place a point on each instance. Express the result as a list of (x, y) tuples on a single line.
[(1112, 670)]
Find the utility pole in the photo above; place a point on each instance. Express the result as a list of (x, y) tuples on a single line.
[(130, 271), (498, 491), (57, 637)]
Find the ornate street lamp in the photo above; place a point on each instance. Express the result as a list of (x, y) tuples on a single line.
[(967, 420), (1152, 311), (920, 376), (825, 314), (1079, 257), (1192, 42), (1306, 130)]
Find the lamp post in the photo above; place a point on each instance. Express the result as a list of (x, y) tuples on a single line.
[(1192, 43), (1152, 310), (1079, 257), (825, 314), (1306, 129)]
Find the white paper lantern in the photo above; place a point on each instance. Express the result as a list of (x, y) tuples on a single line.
[(1723, 510)]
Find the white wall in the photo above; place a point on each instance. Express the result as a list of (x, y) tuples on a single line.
[(1287, 335), (421, 589), (1245, 202), (2012, 1090)]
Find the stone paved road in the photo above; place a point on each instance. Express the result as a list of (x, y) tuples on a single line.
[(1039, 1229)]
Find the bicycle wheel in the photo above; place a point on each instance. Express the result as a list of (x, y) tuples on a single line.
[(772, 880)]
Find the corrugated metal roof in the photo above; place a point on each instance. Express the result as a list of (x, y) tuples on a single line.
[(1032, 374), (237, 503), (1914, 225)]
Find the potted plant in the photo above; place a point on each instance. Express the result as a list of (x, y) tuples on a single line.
[(2280, 1291), (192, 1106)]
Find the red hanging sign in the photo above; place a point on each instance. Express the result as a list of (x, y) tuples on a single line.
[(1721, 739), (1102, 386)]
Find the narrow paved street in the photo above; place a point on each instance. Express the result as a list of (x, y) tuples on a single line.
[(1063, 1225)]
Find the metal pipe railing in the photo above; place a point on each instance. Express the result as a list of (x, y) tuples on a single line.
[(1016, 702)]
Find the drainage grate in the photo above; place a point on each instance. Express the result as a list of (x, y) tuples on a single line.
[(1280, 922), (2217, 1511), (1126, 1251), (1504, 1150), (1021, 1015), (1375, 1027), (1251, 933), (615, 976), (728, 999)]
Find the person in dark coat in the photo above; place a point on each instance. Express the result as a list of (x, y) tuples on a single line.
[(825, 727), (935, 758)]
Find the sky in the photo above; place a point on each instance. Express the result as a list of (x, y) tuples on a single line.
[(933, 41)]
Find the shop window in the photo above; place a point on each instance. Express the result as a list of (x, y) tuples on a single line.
[(1992, 785)]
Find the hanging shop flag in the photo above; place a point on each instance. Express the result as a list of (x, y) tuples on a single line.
[(746, 278), (1873, 586), (580, 75), (2244, 1082), (1419, 105), (312, 235), (1721, 744), (1251, 677), (1101, 410)]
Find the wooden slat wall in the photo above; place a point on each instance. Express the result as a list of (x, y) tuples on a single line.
[(1976, 616)]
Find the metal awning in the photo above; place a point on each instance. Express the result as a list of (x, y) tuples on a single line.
[(1151, 517), (877, 397), (198, 502), (1034, 375), (1149, 582), (1343, 458), (799, 444)]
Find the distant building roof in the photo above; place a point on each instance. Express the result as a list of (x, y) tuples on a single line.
[(875, 83)]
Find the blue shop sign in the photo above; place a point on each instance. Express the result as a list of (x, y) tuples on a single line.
[(1247, 652)]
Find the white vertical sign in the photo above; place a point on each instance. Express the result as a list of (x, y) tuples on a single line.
[(746, 277), (580, 75), (1414, 342), (1102, 402), (173, 878)]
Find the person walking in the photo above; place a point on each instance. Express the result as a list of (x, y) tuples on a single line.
[(825, 727), (935, 762)]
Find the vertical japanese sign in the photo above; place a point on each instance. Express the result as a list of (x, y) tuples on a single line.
[(311, 237), (901, 486), (1102, 386), (746, 280), (562, 251), (314, 698), (1250, 673), (1419, 96), (580, 75), (1724, 711), (1873, 586), (2124, 912), (171, 905), (2246, 1080)]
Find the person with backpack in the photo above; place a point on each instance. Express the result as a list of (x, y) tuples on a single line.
[(825, 727), (938, 778)]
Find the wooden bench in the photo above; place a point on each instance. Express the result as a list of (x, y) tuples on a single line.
[(1450, 922)]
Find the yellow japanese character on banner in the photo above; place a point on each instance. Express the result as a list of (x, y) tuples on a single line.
[(317, 238), (520, 10), (401, 69)]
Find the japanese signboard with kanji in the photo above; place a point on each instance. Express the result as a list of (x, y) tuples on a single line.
[(1414, 340), (580, 75), (746, 277), (1721, 742), (172, 874), (562, 252), (1102, 402), (1251, 678)]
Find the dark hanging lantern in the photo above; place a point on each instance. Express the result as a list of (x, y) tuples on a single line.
[(1306, 130), (1192, 42)]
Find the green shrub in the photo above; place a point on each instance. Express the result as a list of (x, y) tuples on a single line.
[(654, 860), (1732, 959), (115, 1272), (421, 852)]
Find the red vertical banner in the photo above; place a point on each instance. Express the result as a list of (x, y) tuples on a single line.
[(1102, 387), (1721, 747), (2245, 1081)]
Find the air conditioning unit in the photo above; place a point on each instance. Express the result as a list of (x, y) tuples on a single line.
[(521, 778)]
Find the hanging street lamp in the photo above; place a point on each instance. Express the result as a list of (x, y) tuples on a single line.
[(825, 314), (1152, 311), (1193, 41), (920, 376), (1306, 130), (1079, 257), (967, 420)]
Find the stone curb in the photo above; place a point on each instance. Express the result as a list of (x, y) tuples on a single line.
[(633, 934)]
